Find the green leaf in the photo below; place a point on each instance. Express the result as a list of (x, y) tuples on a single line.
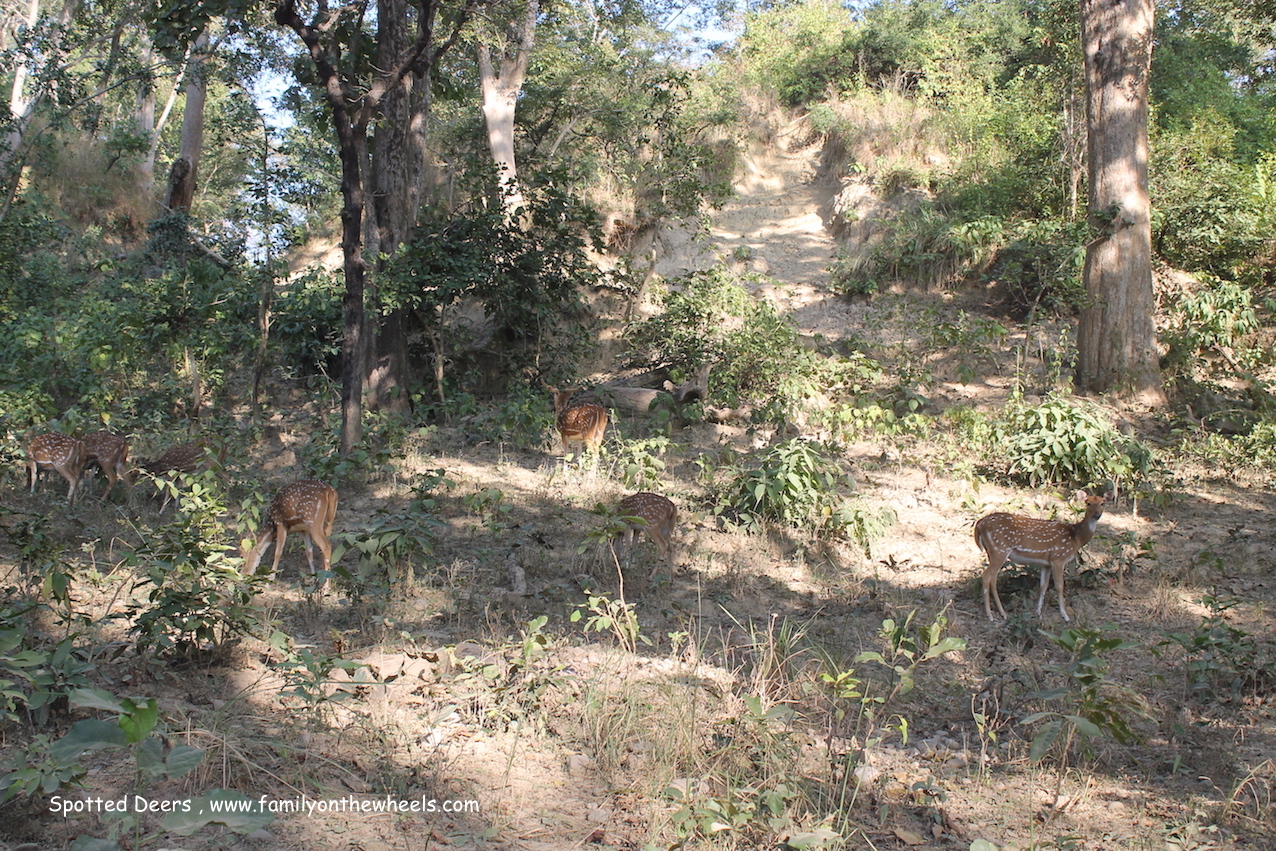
[(237, 812), (1043, 740), (92, 698), (139, 723), (183, 759), (89, 735), (1085, 726)]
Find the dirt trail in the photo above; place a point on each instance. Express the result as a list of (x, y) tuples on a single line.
[(774, 224), (774, 227)]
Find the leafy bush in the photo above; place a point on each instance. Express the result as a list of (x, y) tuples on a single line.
[(1036, 262), (796, 50), (126, 345), (1065, 442), (640, 462), (1213, 211), (386, 546), (522, 419), (198, 599), (306, 325), (1218, 316), (1090, 703), (709, 317), (527, 280), (1222, 662), (798, 484)]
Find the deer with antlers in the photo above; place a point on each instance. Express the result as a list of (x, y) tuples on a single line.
[(308, 506), (1047, 544)]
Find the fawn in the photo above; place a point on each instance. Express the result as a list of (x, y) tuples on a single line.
[(308, 506), (584, 423), (653, 513)]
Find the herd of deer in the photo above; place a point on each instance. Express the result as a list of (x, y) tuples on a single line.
[(309, 506)]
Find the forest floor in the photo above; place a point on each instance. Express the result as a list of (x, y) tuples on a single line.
[(570, 735)]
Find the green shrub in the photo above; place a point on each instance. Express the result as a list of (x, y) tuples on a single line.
[(755, 353), (1222, 663), (1090, 703), (798, 484), (1213, 211), (306, 324), (1064, 441), (521, 419), (1218, 316), (198, 598)]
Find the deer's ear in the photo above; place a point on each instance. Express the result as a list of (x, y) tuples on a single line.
[(1080, 496)]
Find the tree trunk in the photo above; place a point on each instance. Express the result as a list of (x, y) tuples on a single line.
[(351, 132), (353, 105), (184, 174), (145, 115), (398, 156), (1116, 338), (21, 105), (500, 97), (157, 128)]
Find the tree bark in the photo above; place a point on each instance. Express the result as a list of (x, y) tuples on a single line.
[(500, 97), (398, 156), (351, 131), (184, 173), (1116, 338), (353, 104)]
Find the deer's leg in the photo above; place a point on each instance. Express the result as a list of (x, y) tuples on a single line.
[(990, 587), (281, 535), (1058, 586)]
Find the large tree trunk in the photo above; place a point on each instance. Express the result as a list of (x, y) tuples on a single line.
[(1116, 338), (353, 105), (351, 132), (398, 154), (184, 174), (500, 97)]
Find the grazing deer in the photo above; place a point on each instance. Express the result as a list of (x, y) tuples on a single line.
[(61, 452), (653, 513), (194, 457), (1047, 544), (110, 453), (583, 423), (309, 507)]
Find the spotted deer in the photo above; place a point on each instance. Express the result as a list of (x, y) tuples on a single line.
[(1048, 544), (584, 423), (109, 452), (656, 515), (193, 457), (60, 452), (308, 506)]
